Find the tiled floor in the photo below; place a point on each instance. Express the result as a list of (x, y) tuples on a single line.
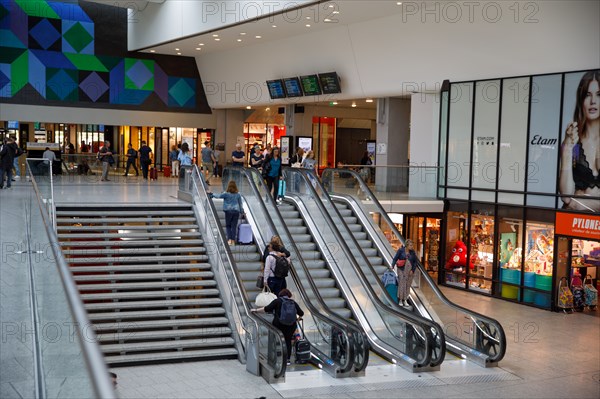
[(549, 355)]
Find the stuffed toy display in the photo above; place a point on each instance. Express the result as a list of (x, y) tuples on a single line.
[(458, 259)]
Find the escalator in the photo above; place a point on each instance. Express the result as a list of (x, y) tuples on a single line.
[(468, 334), (396, 335), (337, 345)]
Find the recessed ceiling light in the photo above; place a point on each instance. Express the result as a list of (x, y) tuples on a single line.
[(308, 25), (215, 35), (335, 12), (334, 102), (153, 51), (200, 44), (326, 20), (274, 26), (267, 109), (178, 53), (353, 105), (217, 39), (248, 107), (331, 6), (176, 49), (307, 17), (369, 100), (258, 37), (399, 3), (198, 48), (242, 33), (239, 40)]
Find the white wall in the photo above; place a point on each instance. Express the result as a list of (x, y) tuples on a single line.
[(400, 53), (424, 128), (173, 19), (104, 116)]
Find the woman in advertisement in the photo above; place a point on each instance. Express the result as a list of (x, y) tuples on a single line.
[(580, 150)]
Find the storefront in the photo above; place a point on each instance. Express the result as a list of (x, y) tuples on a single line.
[(512, 168)]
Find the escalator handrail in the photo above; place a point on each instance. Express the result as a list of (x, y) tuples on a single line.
[(332, 318), (476, 317), (237, 277), (425, 324)]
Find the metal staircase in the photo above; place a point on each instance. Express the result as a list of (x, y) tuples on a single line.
[(313, 259), (143, 276)]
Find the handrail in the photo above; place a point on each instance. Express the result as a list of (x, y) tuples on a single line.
[(331, 318), (52, 212), (481, 321), (89, 345), (408, 165), (426, 325), (201, 191)]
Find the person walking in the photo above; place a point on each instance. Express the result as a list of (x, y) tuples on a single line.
[(132, 156), (105, 156), (286, 316), (272, 171), (232, 206), (174, 162), (145, 159), (7, 157), (208, 161), (405, 262)]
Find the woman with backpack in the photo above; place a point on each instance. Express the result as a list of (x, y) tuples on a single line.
[(286, 314), (277, 266)]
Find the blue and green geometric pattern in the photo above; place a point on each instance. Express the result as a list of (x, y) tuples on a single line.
[(50, 46)]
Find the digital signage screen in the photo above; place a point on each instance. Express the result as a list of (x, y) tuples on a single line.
[(330, 83), (310, 85), (276, 89), (292, 87), (13, 124)]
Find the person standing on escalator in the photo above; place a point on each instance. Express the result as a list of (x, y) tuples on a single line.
[(405, 262)]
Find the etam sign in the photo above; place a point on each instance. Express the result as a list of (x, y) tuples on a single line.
[(578, 225)]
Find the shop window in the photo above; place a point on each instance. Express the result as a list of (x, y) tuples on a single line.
[(510, 253), (539, 261), (456, 250), (481, 251)]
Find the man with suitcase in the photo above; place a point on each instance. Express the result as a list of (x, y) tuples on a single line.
[(286, 312)]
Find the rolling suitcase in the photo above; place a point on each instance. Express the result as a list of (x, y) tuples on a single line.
[(153, 174), (302, 346), (167, 171), (245, 233)]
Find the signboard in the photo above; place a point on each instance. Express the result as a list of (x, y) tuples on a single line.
[(578, 225)]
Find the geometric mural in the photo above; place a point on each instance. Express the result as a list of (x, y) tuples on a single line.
[(49, 52)]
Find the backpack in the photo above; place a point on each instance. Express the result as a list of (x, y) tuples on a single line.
[(287, 315), (282, 267)]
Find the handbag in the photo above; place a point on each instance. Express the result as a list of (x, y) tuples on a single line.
[(565, 296), (400, 262), (591, 293), (264, 298), (260, 280)]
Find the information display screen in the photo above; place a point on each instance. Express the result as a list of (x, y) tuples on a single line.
[(330, 83), (276, 89), (292, 87), (13, 124), (310, 85)]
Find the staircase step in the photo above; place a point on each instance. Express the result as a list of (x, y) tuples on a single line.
[(229, 353), (207, 292), (155, 314), (163, 345), (138, 286), (143, 276), (133, 251), (211, 322), (324, 283), (127, 213), (248, 267), (127, 227), (297, 230), (140, 268), (128, 236), (102, 220), (130, 243), (343, 312), (137, 259), (172, 303), (164, 334), (306, 246)]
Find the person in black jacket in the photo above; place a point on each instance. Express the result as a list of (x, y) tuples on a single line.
[(7, 157), (288, 331)]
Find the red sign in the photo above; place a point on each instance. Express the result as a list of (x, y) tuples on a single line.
[(578, 225)]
